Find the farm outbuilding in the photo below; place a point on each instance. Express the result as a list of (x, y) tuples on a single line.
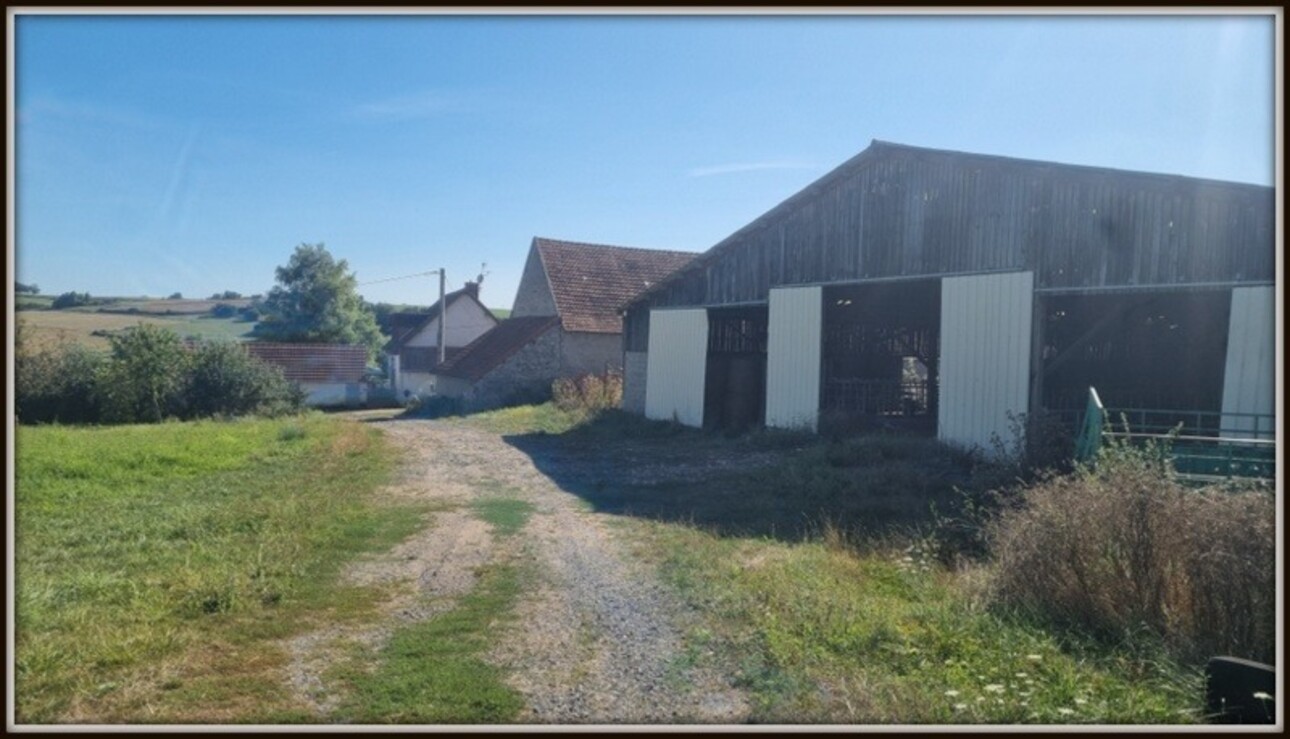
[(564, 322), (331, 375), (954, 294)]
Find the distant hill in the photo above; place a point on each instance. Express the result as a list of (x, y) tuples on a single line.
[(91, 325)]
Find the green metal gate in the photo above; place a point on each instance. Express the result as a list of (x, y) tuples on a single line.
[(1200, 447)]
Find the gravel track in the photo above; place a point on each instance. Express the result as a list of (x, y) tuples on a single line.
[(597, 638)]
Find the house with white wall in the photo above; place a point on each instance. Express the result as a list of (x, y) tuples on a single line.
[(413, 349)]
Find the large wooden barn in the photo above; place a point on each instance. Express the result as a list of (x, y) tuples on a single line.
[(953, 293)]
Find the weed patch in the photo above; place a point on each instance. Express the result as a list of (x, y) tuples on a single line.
[(821, 635), (433, 672), (506, 515)]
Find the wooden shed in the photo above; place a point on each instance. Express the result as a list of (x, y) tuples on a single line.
[(951, 293)]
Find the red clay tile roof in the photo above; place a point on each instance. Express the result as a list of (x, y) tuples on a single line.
[(591, 282), (313, 362), (495, 346)]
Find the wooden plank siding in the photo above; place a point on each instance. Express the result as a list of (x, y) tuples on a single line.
[(896, 210)]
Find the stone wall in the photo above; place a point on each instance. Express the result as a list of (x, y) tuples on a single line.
[(525, 377), (587, 353), (534, 295), (634, 382)]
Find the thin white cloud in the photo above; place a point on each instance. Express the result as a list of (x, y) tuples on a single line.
[(87, 112), (408, 107), (747, 167)]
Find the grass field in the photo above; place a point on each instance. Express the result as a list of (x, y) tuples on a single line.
[(78, 326), (159, 567)]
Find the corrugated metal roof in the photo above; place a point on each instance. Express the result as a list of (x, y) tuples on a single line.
[(590, 282), (313, 362), (497, 345)]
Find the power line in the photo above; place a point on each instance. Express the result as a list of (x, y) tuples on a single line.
[(403, 277)]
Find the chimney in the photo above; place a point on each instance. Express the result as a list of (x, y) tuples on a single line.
[(471, 289)]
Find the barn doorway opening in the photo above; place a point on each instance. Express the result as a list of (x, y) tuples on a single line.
[(734, 396), (879, 357), (1163, 350)]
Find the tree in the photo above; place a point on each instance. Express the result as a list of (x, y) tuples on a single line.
[(316, 300), (33, 289), (226, 295), (176, 296), (71, 300), (145, 375)]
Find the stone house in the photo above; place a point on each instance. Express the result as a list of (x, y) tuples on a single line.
[(413, 349), (565, 322)]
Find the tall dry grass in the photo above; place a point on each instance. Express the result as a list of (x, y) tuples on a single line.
[(589, 393), (1126, 546)]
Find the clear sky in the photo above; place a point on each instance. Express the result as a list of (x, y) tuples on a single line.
[(193, 153)]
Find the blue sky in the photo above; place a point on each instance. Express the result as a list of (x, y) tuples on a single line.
[(193, 153)]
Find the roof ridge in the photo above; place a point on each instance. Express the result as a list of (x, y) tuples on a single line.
[(548, 240)]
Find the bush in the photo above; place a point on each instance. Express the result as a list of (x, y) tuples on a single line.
[(150, 375), (1125, 546), (588, 393), (71, 300), (145, 376), (57, 384), (227, 381), (224, 310)]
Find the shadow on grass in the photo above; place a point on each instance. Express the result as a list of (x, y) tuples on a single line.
[(788, 486)]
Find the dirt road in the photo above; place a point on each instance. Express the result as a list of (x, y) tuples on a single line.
[(597, 638)]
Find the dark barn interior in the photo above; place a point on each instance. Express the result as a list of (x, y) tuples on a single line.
[(879, 355), (1161, 350), (734, 395)]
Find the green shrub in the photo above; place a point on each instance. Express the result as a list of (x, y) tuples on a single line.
[(145, 376), (57, 384), (227, 381), (1125, 546), (224, 310)]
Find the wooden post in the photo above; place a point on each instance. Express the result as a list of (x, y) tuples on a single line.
[(443, 317), (1035, 408)]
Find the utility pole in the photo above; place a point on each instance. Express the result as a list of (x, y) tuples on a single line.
[(443, 315)]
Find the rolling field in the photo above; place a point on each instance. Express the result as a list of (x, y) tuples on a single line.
[(78, 326)]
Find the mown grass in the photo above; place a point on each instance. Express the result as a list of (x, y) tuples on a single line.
[(433, 672), (158, 566)]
